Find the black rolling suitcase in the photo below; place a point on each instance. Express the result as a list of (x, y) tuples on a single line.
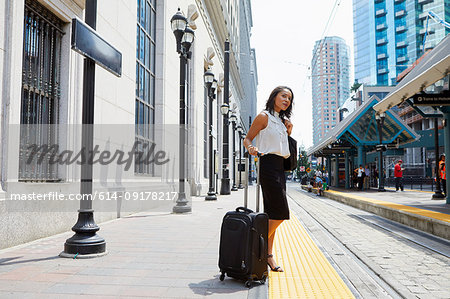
[(243, 241)]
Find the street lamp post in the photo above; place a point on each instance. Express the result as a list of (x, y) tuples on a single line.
[(224, 109), (85, 241), (211, 85), (233, 120), (380, 122), (240, 131), (185, 37), (225, 186)]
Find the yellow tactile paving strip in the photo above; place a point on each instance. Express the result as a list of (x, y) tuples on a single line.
[(396, 206), (413, 190), (307, 272)]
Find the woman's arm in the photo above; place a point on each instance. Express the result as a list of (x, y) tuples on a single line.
[(260, 123)]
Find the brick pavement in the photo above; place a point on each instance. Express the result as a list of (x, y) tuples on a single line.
[(149, 255), (411, 269)]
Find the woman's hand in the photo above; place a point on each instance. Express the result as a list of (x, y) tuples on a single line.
[(289, 126), (252, 150)]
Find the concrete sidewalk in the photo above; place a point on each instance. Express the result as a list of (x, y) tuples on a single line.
[(149, 255)]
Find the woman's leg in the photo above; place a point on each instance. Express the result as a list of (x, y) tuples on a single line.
[(273, 224)]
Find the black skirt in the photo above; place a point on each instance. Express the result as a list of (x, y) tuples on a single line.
[(273, 184)]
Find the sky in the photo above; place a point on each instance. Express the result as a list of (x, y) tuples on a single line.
[(283, 35)]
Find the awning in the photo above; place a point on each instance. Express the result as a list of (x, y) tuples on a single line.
[(433, 67), (331, 137), (426, 139), (360, 129)]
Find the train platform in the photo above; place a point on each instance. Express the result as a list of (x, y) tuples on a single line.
[(163, 255), (413, 208)]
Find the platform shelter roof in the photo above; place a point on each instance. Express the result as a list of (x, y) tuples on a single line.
[(360, 129), (432, 67)]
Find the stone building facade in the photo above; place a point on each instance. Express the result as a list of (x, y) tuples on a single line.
[(42, 89)]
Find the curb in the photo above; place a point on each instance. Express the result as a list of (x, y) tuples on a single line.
[(429, 225)]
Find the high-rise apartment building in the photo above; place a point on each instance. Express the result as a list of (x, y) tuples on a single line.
[(389, 35), (330, 83)]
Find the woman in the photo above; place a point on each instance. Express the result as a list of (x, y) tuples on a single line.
[(270, 129)]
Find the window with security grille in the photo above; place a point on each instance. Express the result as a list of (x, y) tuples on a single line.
[(145, 83), (42, 35)]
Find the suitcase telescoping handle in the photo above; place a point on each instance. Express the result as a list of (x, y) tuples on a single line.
[(258, 183), (246, 155), (244, 209), (247, 162)]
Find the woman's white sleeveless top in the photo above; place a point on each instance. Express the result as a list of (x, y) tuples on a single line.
[(273, 139)]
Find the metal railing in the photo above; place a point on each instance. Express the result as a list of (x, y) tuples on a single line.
[(415, 183)]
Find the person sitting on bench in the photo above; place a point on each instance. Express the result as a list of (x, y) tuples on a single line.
[(318, 184)]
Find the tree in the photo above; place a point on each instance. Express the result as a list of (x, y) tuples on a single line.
[(355, 86), (302, 161)]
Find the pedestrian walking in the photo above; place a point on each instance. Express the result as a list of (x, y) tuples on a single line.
[(367, 178), (270, 130), (443, 174), (360, 176), (398, 174), (375, 175), (355, 178)]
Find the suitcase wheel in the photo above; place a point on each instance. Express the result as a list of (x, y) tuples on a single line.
[(248, 283), (222, 276), (263, 280)]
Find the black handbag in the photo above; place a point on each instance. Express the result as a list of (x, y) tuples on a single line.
[(290, 163)]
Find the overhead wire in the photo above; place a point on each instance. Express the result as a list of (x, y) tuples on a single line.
[(327, 25), (329, 22), (322, 40)]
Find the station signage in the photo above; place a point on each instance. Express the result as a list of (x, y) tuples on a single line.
[(441, 99)]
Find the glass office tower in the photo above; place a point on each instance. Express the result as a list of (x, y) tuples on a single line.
[(330, 83), (389, 35)]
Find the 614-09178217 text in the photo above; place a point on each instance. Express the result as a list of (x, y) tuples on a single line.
[(97, 195)]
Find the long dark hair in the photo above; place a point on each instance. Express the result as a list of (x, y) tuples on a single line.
[(270, 104)]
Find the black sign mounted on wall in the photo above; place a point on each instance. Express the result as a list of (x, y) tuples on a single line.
[(440, 99), (89, 44)]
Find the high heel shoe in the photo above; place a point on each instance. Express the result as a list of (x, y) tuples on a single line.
[(276, 268)]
